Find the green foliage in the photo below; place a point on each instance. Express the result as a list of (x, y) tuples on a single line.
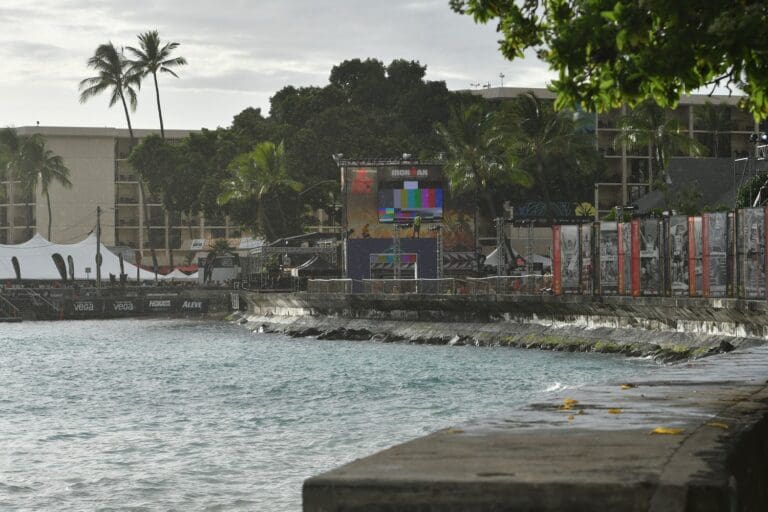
[(115, 75), (552, 152), (608, 53), (30, 162), (261, 175), (152, 58), (747, 193), (648, 127)]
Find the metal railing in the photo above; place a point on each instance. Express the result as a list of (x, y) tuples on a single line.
[(504, 285)]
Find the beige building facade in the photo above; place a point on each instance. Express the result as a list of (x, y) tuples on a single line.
[(132, 220)]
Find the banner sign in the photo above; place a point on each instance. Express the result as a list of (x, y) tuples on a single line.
[(556, 261), (609, 251), (158, 305), (194, 306), (635, 266), (122, 307), (87, 307)]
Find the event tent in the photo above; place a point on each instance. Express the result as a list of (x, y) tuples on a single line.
[(178, 275), (36, 261)]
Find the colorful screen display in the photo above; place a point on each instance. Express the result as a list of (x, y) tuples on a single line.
[(402, 201)]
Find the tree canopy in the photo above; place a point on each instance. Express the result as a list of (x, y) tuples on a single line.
[(609, 52)]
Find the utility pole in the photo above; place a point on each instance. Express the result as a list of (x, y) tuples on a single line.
[(500, 252), (98, 247)]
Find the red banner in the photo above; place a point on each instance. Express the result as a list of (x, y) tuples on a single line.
[(556, 261), (635, 268)]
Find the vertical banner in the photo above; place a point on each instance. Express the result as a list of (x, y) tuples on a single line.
[(678, 254), (714, 241), (751, 252), (626, 242), (705, 291), (556, 263), (698, 274), (731, 255), (765, 254), (569, 254), (585, 248), (621, 260), (609, 264), (651, 270), (635, 235)]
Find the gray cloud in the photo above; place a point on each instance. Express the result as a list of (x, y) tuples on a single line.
[(252, 49)]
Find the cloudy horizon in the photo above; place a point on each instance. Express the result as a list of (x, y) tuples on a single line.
[(239, 56)]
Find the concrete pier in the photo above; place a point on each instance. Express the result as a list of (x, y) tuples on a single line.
[(688, 437)]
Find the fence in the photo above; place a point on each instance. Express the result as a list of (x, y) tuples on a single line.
[(505, 285)]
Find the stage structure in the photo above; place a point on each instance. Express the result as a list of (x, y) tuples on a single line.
[(394, 214)]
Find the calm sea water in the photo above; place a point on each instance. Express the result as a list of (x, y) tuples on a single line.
[(182, 415)]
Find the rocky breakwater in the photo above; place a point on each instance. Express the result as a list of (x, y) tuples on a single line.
[(663, 328)]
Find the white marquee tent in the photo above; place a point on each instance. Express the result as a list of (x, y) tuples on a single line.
[(178, 275), (35, 258)]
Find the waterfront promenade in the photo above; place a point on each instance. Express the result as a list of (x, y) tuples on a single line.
[(691, 437)]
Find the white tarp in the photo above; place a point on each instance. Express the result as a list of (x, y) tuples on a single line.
[(35, 257), (178, 275)]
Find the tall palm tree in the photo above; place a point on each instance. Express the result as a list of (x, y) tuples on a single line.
[(30, 163), (50, 169), (260, 175), (647, 126), (115, 75), (150, 59), (474, 159), (542, 145)]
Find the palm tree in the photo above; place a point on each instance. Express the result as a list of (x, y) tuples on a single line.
[(50, 169), (260, 175), (542, 145), (150, 59), (30, 163), (474, 159), (116, 75), (647, 126)]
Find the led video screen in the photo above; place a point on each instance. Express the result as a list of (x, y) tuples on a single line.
[(402, 201)]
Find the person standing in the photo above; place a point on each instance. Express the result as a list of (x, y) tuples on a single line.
[(416, 226)]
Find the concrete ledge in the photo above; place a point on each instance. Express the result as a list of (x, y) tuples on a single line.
[(597, 454)]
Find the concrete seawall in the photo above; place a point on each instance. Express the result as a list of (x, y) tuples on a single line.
[(691, 436), (666, 328)]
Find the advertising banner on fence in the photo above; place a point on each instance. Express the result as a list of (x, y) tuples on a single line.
[(650, 264), (585, 249), (609, 252), (87, 307), (678, 254), (714, 239), (569, 250), (751, 252), (122, 307), (158, 305), (557, 262), (193, 306)]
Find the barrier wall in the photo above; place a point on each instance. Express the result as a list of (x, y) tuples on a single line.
[(717, 254)]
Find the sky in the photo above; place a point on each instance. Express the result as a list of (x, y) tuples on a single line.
[(240, 53)]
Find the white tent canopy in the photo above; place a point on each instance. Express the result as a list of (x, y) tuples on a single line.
[(178, 275), (35, 257)]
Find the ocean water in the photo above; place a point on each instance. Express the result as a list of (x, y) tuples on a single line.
[(186, 415)]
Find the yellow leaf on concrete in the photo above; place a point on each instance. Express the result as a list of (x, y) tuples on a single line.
[(570, 417), (454, 431), (570, 401), (628, 386), (718, 424), (667, 431), (615, 411)]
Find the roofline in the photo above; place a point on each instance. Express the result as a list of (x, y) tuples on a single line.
[(88, 131), (503, 93)]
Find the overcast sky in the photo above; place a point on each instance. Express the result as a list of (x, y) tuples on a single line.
[(240, 53)]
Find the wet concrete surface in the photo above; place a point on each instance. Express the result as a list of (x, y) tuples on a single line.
[(686, 437)]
